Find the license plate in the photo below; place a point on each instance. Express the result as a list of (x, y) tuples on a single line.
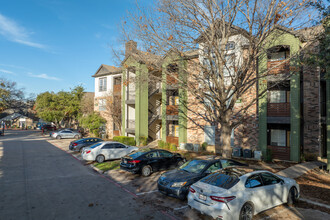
[(202, 197)]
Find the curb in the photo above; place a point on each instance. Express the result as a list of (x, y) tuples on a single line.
[(315, 203)]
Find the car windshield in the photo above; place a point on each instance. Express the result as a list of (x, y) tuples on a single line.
[(222, 180), (95, 145), (194, 166)]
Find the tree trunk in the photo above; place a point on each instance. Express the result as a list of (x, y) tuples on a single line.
[(225, 140)]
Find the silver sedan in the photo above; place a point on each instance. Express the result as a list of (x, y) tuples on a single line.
[(66, 134)]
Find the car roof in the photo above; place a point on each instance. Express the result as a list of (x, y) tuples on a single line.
[(243, 171), (112, 142)]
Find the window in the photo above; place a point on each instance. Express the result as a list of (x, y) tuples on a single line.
[(119, 146), (103, 84), (115, 127), (277, 96), (152, 154), (269, 179), (221, 180), (176, 100), (209, 135), (102, 104), (227, 163), (176, 130), (108, 146), (278, 137), (253, 181), (214, 167), (230, 45), (165, 154), (277, 56)]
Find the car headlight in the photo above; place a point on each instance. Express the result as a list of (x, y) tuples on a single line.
[(178, 184)]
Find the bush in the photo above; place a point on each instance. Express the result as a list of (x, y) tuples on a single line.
[(143, 140), (125, 140), (174, 147), (204, 146), (168, 146), (161, 144)]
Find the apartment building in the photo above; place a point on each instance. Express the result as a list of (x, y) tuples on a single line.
[(293, 115), (141, 94), (108, 81)]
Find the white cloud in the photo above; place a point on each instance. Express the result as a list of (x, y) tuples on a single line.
[(43, 76), (6, 71), (14, 32)]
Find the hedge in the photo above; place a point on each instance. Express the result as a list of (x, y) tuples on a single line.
[(125, 140)]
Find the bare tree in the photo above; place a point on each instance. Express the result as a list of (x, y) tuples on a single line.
[(222, 74), (113, 109)]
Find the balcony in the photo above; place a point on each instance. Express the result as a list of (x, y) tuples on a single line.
[(172, 110), (172, 140), (280, 153), (172, 79), (278, 67), (155, 88), (116, 90), (278, 109)]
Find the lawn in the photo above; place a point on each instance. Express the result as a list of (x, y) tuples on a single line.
[(108, 165)]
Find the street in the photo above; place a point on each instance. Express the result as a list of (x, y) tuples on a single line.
[(40, 181)]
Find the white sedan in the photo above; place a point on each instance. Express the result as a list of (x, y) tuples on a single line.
[(238, 193), (106, 150)]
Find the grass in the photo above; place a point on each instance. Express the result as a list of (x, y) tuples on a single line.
[(109, 165)]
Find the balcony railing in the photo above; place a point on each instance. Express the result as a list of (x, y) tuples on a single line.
[(173, 140), (172, 110), (172, 79), (281, 153), (278, 67), (278, 109)]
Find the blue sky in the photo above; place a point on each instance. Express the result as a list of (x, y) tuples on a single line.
[(53, 45)]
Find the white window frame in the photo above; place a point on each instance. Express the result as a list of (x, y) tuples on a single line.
[(277, 96), (103, 84), (277, 56), (102, 104)]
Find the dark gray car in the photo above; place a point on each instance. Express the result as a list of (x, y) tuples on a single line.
[(78, 145)]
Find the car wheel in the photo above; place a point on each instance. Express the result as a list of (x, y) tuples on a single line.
[(180, 163), (76, 136), (146, 171), (58, 137), (246, 212), (100, 158), (292, 196)]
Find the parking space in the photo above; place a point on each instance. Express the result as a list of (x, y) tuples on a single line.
[(145, 189)]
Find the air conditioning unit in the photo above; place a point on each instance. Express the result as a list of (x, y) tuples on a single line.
[(237, 152), (247, 153)]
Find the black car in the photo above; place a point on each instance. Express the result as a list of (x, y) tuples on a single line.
[(146, 162), (176, 182), (48, 128), (78, 145)]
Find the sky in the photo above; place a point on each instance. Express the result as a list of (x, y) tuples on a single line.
[(54, 45)]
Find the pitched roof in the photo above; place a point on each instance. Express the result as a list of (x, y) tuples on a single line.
[(303, 34), (144, 57), (105, 70)]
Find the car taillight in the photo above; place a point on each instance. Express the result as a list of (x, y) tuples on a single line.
[(87, 152), (222, 199), (134, 161), (74, 144), (192, 190)]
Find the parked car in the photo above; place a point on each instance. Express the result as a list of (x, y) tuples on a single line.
[(65, 134), (78, 145), (106, 150), (236, 193), (147, 162), (48, 127), (176, 182), (61, 129)]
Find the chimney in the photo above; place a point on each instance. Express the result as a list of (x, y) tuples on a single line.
[(130, 47)]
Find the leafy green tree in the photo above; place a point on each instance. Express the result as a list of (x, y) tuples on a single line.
[(10, 95), (92, 122)]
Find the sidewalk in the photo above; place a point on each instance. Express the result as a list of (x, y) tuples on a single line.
[(299, 169)]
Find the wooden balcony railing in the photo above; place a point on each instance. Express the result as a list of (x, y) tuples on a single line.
[(172, 80), (278, 109), (281, 153), (172, 110), (116, 89), (172, 140), (278, 67)]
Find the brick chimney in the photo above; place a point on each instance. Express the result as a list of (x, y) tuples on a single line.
[(130, 46)]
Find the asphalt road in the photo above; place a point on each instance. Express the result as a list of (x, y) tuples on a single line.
[(40, 181)]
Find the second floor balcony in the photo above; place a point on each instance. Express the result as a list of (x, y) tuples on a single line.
[(278, 109), (172, 110)]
